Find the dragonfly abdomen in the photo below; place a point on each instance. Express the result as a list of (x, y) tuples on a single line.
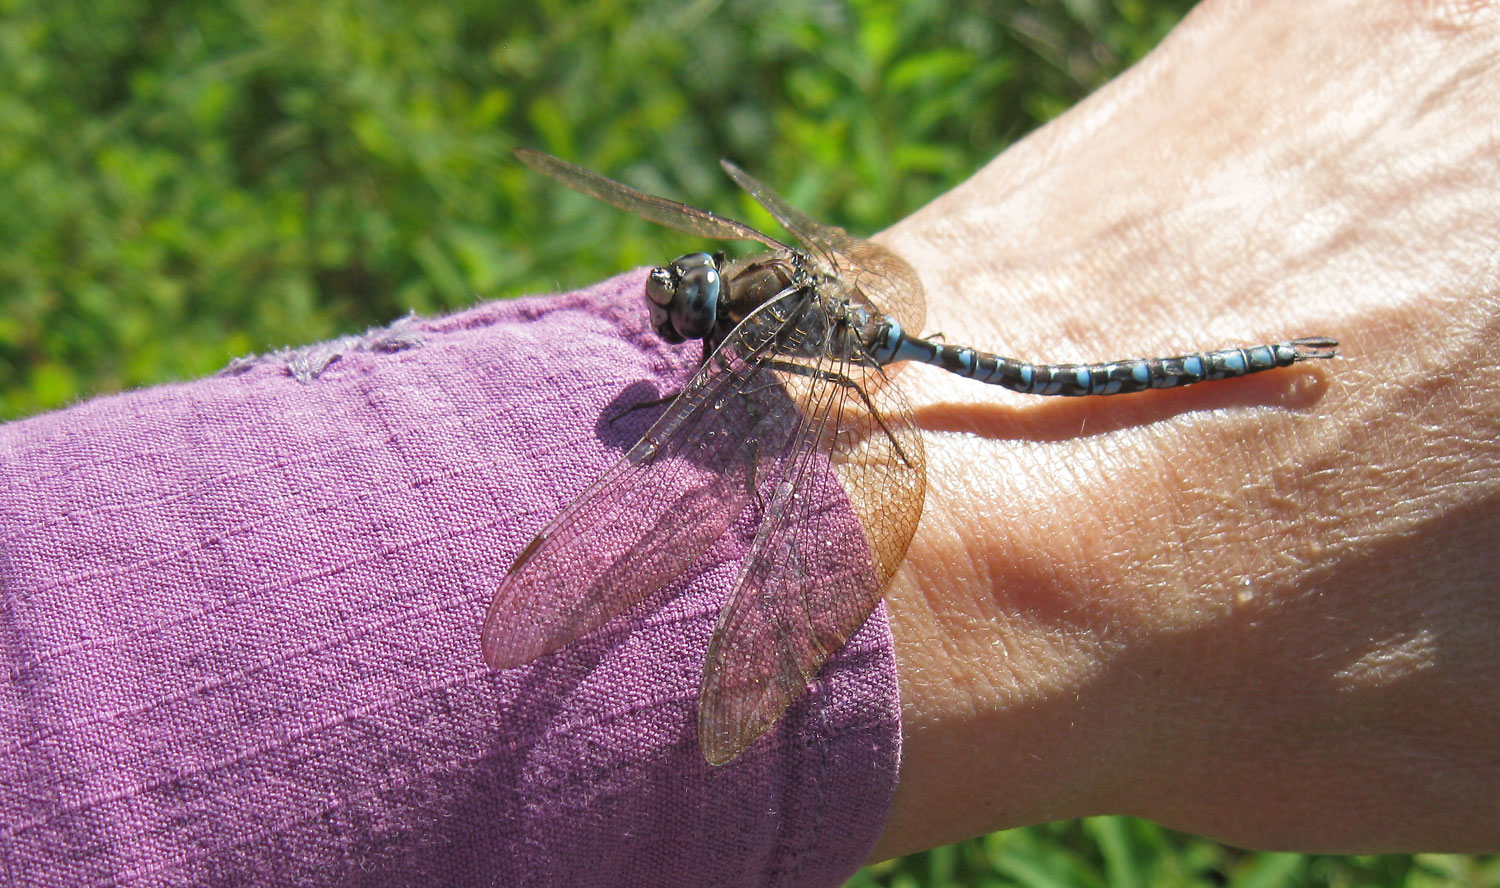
[(1104, 378)]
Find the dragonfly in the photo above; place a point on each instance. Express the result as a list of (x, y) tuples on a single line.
[(791, 426)]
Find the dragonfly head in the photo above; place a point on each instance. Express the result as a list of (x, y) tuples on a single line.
[(684, 296)]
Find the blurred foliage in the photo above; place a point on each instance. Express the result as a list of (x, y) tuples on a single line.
[(184, 183), (1119, 852)]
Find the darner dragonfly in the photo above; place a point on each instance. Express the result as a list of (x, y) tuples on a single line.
[(791, 418)]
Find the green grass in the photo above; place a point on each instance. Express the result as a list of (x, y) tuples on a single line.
[(185, 183), (1120, 852)]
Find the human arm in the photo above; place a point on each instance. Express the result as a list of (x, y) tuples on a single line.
[(1264, 610)]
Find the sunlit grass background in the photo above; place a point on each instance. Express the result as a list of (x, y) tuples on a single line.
[(184, 183)]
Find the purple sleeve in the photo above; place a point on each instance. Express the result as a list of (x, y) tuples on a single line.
[(241, 620)]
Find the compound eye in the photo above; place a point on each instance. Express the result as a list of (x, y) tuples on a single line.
[(697, 301), (699, 288)]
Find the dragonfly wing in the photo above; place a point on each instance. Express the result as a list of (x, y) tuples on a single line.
[(811, 232), (660, 210), (660, 507), (878, 276), (883, 280), (814, 574)]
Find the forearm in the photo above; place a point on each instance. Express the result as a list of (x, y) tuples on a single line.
[(1234, 611)]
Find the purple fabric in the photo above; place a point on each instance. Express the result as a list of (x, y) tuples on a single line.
[(241, 618)]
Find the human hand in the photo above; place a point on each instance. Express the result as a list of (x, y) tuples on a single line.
[(1262, 610)]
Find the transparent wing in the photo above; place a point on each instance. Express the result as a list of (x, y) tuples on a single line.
[(814, 573), (660, 210), (660, 507), (875, 275), (826, 239)]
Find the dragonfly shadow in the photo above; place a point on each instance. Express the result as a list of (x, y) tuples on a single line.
[(626, 418), (751, 426)]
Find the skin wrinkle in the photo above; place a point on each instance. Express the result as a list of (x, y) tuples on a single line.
[(1456, 17)]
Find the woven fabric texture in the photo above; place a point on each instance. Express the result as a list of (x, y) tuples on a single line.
[(241, 619)]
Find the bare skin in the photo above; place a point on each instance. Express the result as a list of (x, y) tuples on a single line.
[(1263, 610)]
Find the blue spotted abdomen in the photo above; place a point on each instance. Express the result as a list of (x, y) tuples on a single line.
[(1104, 378)]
